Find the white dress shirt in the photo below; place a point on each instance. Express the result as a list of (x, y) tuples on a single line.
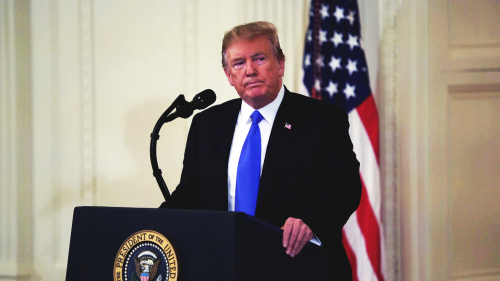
[(243, 124)]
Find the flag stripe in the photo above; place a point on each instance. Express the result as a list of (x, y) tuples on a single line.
[(351, 256), (370, 229), (364, 270), (368, 213), (368, 163), (367, 111)]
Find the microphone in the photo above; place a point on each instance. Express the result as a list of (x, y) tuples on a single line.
[(200, 101), (182, 109)]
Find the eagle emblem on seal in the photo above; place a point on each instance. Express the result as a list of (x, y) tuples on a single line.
[(146, 265)]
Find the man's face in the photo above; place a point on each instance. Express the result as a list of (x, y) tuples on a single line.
[(253, 71)]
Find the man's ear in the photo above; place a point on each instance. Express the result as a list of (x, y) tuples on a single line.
[(281, 69), (228, 75)]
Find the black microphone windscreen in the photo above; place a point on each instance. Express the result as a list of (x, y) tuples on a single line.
[(204, 99)]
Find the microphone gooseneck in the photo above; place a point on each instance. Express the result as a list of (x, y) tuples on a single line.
[(183, 109)]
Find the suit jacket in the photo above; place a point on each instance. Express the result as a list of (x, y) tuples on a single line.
[(310, 170)]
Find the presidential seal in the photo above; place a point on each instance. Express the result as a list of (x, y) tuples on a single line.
[(146, 256)]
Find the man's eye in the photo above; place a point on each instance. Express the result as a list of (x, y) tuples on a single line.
[(238, 65), (260, 59)]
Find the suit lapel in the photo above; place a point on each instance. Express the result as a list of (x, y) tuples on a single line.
[(224, 138), (277, 146)]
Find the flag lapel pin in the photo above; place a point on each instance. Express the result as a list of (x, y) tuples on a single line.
[(288, 126)]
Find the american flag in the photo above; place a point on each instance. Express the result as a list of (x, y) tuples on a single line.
[(335, 70)]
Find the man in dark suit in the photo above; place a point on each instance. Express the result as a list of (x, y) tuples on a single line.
[(307, 173)]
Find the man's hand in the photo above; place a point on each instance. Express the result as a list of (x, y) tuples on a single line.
[(295, 235)]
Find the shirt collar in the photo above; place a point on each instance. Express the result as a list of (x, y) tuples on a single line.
[(268, 112)]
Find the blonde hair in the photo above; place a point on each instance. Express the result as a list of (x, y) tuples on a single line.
[(250, 31)]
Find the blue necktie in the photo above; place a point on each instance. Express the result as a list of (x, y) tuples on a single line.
[(248, 173)]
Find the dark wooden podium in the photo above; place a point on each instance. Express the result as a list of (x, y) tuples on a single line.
[(209, 245)]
